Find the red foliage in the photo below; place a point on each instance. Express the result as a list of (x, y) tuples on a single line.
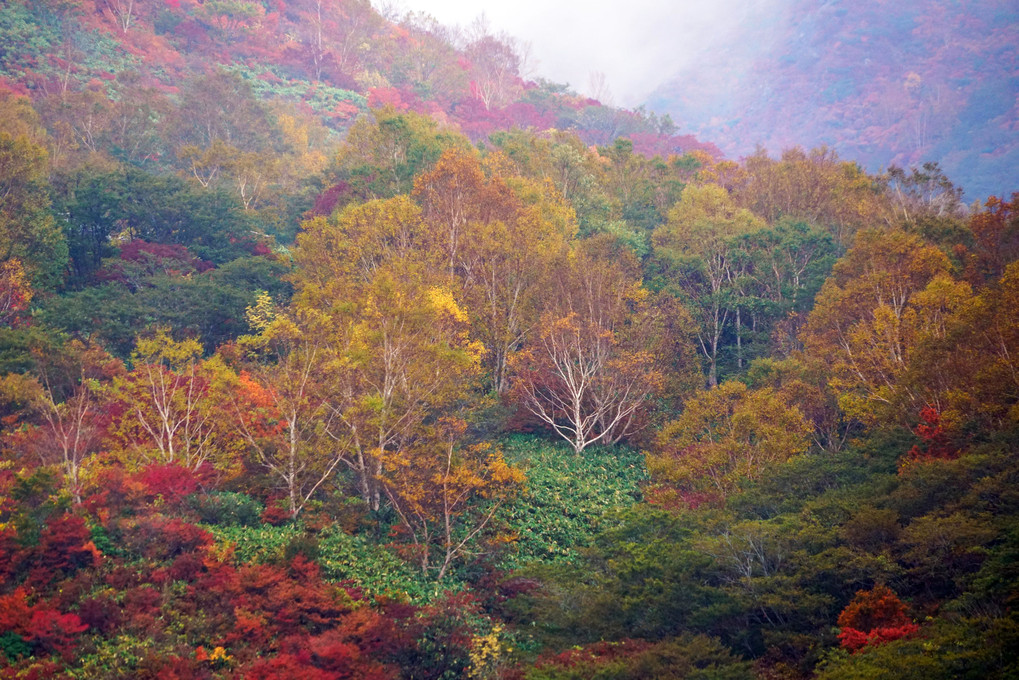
[(934, 443), (171, 482), (55, 632), (874, 617), (101, 613), (163, 258), (669, 498), (327, 201), (275, 514), (15, 612), (287, 667), (46, 628), (387, 96), (63, 548), (597, 653), (162, 538), (11, 555), (997, 239)]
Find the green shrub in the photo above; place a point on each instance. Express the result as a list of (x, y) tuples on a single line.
[(227, 508), (259, 543)]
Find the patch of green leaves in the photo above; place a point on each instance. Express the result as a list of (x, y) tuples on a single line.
[(566, 496)]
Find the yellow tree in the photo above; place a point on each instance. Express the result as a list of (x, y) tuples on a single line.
[(400, 346), (700, 242), (964, 363), (725, 436), (278, 403), (28, 231), (816, 187), (169, 414), (67, 412), (593, 368), (507, 263), (408, 358), (15, 293), (887, 296), (446, 492), (456, 194)]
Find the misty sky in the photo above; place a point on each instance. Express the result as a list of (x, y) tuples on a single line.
[(636, 44)]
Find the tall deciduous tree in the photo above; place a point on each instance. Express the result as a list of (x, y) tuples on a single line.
[(278, 404), (816, 187), (15, 293), (506, 264), (28, 231), (72, 411), (700, 243), (402, 351), (169, 415), (593, 367), (888, 295), (446, 492)]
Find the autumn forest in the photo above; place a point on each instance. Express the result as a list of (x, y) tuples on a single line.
[(335, 345)]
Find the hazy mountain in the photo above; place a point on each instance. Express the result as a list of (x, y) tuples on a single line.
[(880, 82)]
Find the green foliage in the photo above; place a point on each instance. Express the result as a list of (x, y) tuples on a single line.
[(227, 508), (352, 559), (258, 543), (13, 646), (947, 649), (370, 567), (686, 658), (267, 81), (207, 305), (566, 496)]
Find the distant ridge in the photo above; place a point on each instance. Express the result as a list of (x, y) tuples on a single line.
[(879, 82)]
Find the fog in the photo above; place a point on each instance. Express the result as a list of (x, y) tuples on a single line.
[(635, 45)]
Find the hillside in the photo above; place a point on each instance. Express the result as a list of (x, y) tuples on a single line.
[(881, 83), (310, 369), (331, 59)]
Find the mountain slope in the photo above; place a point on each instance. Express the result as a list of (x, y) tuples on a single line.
[(881, 83)]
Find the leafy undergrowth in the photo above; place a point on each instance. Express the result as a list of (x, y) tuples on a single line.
[(566, 496)]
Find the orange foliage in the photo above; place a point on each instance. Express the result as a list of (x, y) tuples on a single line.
[(874, 617)]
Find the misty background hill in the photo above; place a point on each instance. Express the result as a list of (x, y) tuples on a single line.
[(880, 82)]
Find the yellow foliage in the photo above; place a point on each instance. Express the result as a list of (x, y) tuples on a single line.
[(442, 301), (486, 654)]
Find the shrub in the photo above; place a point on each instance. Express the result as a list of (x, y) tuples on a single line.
[(226, 508)]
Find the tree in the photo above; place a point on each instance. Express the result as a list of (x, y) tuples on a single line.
[(593, 368), (72, 408), (494, 66), (400, 340), (506, 264), (332, 34), (383, 153), (169, 413), (278, 404), (887, 296), (783, 267), (123, 12), (446, 492), (996, 232), (815, 187), (725, 436), (699, 242), (874, 617), (922, 194), (28, 231), (15, 293)]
